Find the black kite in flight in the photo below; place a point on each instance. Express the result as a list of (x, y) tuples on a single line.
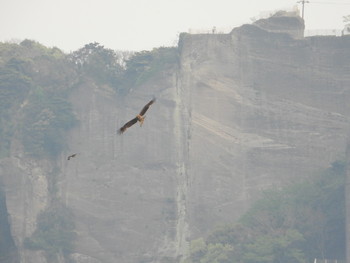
[(140, 117)]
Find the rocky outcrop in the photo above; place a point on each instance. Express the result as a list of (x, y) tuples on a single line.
[(283, 22), (240, 113)]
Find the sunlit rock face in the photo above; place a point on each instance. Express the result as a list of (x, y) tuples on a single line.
[(239, 113)]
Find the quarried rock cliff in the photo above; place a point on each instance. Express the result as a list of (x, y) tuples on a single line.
[(266, 109), (239, 113)]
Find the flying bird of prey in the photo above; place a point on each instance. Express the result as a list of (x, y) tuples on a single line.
[(140, 117), (71, 156)]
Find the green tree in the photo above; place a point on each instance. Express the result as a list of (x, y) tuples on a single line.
[(198, 248), (219, 253), (34, 85), (143, 65), (98, 62), (46, 119), (275, 248), (14, 87)]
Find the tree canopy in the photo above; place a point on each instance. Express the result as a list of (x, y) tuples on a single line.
[(36, 82)]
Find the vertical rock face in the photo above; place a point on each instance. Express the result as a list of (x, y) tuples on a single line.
[(8, 250), (242, 112), (124, 189), (266, 110), (26, 190)]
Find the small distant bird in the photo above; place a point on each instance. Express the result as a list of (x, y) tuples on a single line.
[(140, 117), (71, 156)]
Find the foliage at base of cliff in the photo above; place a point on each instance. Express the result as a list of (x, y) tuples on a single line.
[(295, 224), (55, 232)]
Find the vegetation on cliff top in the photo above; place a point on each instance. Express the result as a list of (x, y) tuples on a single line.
[(36, 81)]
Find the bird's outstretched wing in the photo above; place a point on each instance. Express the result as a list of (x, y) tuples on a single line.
[(145, 108), (127, 125), (71, 156)]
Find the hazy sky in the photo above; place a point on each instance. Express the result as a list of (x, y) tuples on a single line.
[(143, 24)]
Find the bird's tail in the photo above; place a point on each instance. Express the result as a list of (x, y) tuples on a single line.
[(120, 131), (142, 120)]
